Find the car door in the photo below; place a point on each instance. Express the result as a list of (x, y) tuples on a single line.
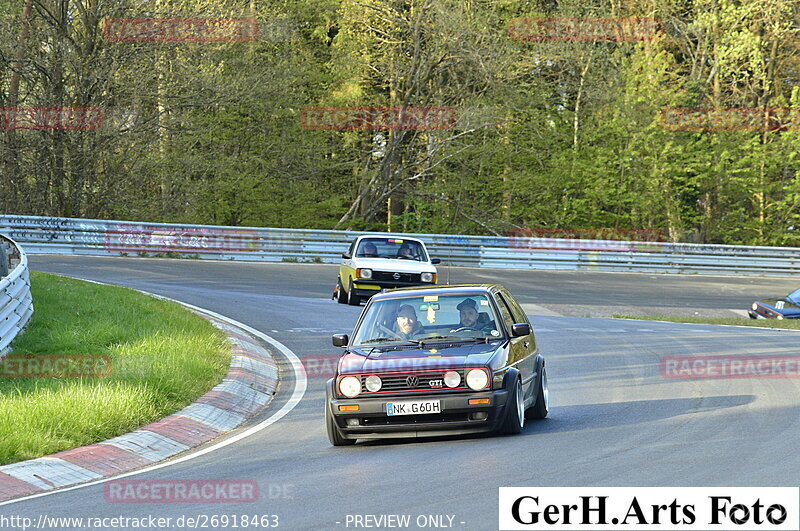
[(525, 345), (346, 271), (516, 353)]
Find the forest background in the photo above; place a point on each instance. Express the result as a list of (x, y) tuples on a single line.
[(551, 134)]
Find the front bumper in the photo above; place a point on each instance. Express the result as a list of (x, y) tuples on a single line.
[(368, 288), (457, 416), (767, 314)]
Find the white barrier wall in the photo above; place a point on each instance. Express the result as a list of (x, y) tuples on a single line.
[(16, 304), (520, 251)]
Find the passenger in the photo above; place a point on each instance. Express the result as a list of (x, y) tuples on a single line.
[(470, 318), (369, 250), (407, 325)]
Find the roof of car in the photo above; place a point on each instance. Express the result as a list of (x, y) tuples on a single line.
[(385, 236), (452, 289)]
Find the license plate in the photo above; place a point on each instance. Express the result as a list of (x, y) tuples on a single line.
[(413, 407)]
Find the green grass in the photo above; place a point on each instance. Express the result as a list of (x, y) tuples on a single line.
[(792, 324), (162, 356)]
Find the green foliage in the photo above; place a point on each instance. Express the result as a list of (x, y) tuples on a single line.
[(554, 134)]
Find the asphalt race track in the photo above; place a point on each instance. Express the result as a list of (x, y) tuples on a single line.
[(615, 421)]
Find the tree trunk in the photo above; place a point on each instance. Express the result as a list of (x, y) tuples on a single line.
[(71, 188), (12, 183)]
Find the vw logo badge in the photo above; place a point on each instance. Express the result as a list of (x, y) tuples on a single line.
[(412, 381), (396, 276)]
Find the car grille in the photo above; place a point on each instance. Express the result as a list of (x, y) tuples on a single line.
[(389, 276), (416, 381)]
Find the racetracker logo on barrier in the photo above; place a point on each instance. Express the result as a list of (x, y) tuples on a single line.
[(584, 239), (180, 30), (180, 491), (650, 508), (731, 119), (583, 29), (378, 118), (729, 367), (143, 238), (54, 366), (51, 118)]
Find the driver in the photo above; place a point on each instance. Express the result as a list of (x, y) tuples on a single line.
[(470, 318), (407, 325), (405, 252)]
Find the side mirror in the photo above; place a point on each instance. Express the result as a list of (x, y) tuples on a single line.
[(435, 261), (340, 340), (345, 255), (521, 329)]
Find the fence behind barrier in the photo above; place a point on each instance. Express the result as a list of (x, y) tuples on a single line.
[(520, 251)]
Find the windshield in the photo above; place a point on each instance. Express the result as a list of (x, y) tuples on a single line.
[(413, 319), (391, 248), (795, 295)]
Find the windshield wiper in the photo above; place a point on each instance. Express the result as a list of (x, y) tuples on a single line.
[(387, 339), (456, 338)]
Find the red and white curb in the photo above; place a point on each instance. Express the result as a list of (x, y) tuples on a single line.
[(251, 382)]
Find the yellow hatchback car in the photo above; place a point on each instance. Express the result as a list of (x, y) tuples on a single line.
[(373, 263)]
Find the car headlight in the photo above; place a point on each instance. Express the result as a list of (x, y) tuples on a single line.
[(350, 386), (364, 273), (755, 306), (426, 277), (452, 379), (779, 316), (373, 383), (477, 379)]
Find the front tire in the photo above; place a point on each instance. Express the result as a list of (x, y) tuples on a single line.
[(515, 411), (334, 435), (341, 295), (352, 298), (540, 409)]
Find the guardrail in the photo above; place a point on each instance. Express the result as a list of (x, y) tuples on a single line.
[(126, 238), (16, 304)]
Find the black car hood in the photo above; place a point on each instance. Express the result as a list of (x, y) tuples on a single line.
[(439, 356)]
